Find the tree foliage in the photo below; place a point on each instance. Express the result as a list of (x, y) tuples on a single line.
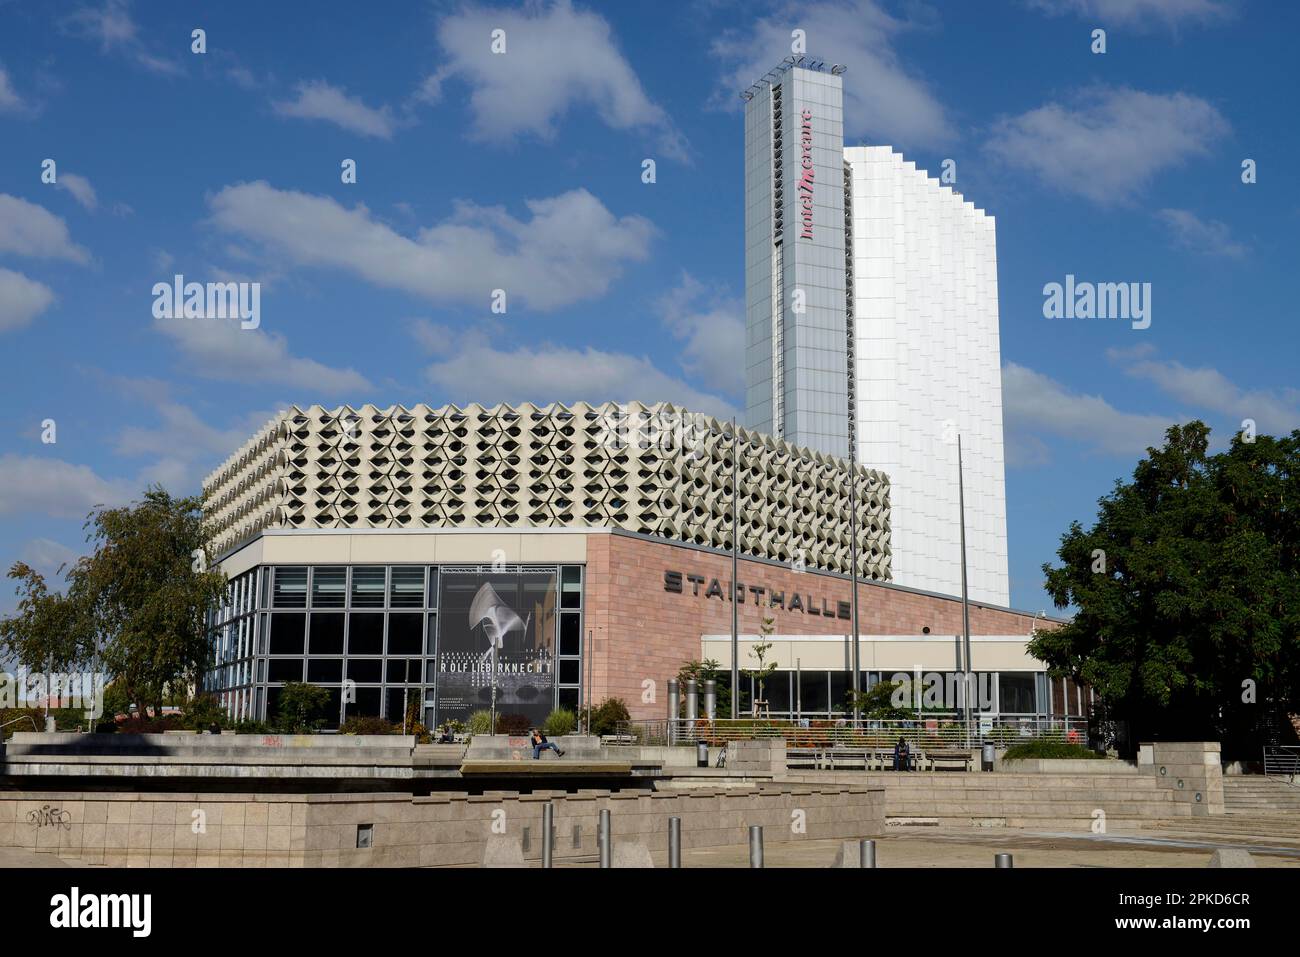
[(1187, 590), (49, 632), (136, 606)]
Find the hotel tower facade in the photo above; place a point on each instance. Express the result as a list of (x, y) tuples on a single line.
[(872, 325)]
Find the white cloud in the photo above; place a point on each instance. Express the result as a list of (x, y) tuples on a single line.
[(111, 26), (80, 189), (570, 249), (1110, 143), (1034, 405), (30, 230), (557, 60), (1208, 237), (322, 101), (46, 556), (9, 101), (712, 326), (219, 349), (1274, 412), (1139, 12), (34, 484), (182, 448), (883, 100), (21, 299), (477, 371)]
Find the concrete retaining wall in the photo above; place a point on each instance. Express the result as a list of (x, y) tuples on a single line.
[(257, 830), (1192, 771)]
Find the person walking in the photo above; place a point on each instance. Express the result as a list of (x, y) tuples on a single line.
[(540, 744)]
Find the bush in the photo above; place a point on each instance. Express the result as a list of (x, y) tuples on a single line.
[(480, 722), (138, 725), (249, 726), (560, 722), (369, 724), (203, 711), (515, 724), (1048, 748), (605, 718), (302, 708)]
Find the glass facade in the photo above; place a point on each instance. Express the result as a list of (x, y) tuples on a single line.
[(819, 693), (383, 639)]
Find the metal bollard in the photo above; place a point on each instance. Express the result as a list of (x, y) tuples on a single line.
[(867, 850), (548, 834), (756, 845), (674, 842), (1002, 860), (603, 838)]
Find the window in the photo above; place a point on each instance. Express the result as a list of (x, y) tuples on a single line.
[(433, 588), (431, 636), (329, 587), (288, 633), (570, 634), (366, 703), (286, 669), (571, 587), (366, 633), (291, 586), (368, 587), (327, 633), (366, 671), (408, 587), (1016, 693), (324, 670), (405, 633)]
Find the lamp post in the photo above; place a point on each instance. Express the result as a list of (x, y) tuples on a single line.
[(853, 564), (735, 544), (965, 606)]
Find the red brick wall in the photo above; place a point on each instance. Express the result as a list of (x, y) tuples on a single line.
[(641, 631)]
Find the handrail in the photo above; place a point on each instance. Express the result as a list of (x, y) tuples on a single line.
[(35, 727), (1283, 761), (931, 733)]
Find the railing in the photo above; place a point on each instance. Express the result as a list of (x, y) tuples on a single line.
[(931, 733), (1283, 761)]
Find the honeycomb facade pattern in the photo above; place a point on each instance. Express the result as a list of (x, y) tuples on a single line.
[(656, 470)]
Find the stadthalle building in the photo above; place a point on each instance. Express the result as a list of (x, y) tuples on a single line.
[(550, 556)]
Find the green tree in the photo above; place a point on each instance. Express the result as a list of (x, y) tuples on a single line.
[(759, 652), (302, 708), (146, 591), (50, 631), (877, 704), (1187, 590)]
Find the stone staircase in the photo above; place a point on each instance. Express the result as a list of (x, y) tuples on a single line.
[(1039, 801), (1256, 794)]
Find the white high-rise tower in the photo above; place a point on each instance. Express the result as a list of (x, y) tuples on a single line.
[(928, 358), (872, 325)]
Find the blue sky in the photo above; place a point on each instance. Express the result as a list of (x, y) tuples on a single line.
[(522, 171)]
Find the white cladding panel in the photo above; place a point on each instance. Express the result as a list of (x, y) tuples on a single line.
[(928, 368)]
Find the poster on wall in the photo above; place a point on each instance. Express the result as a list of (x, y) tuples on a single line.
[(496, 629)]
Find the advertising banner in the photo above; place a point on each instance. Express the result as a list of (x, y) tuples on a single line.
[(496, 629)]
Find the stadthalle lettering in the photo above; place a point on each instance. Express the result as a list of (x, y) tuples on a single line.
[(675, 582)]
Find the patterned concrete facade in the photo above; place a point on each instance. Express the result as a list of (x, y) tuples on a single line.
[(657, 470)]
